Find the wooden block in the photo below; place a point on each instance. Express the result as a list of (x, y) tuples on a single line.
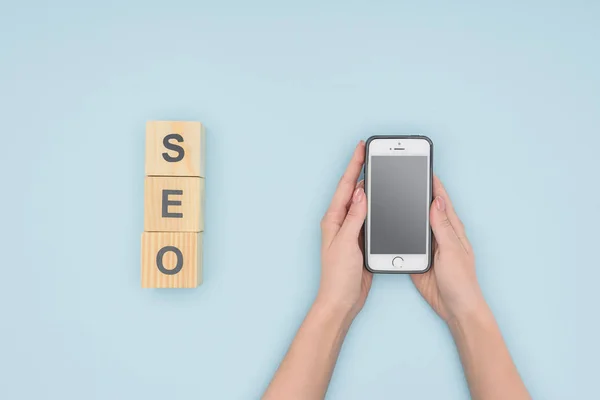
[(173, 204), (171, 259), (175, 148)]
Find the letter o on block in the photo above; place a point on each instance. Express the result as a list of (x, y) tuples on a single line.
[(160, 264), (171, 259)]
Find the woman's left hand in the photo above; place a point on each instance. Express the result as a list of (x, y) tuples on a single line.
[(345, 283)]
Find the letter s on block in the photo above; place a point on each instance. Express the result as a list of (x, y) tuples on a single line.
[(173, 147)]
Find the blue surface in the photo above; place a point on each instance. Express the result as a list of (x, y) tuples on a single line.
[(509, 92)]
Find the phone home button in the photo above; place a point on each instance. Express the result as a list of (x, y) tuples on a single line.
[(397, 262)]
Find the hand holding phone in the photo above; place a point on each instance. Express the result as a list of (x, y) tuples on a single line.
[(451, 286), (400, 186), (344, 282)]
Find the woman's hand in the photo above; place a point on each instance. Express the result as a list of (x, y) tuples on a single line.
[(450, 286), (345, 282), (306, 370)]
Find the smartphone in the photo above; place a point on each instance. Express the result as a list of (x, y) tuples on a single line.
[(398, 184)]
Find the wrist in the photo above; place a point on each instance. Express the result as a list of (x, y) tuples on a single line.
[(477, 316), (335, 312), (470, 304)]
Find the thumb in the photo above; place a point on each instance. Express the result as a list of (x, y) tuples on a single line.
[(356, 215), (441, 225)]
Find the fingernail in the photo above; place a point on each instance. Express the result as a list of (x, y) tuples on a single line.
[(440, 204), (358, 194)]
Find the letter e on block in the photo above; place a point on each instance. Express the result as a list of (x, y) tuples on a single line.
[(171, 259), (175, 148), (173, 204)]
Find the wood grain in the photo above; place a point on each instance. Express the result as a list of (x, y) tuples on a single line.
[(190, 246), (161, 161), (158, 189)]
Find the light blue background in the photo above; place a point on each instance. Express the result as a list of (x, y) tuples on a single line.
[(508, 91)]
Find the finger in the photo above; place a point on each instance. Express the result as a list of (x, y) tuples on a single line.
[(441, 225), (457, 225), (347, 184), (355, 218), (361, 235), (336, 213)]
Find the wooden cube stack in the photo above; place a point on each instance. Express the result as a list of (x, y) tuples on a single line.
[(173, 205)]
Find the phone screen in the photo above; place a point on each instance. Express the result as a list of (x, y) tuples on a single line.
[(399, 204)]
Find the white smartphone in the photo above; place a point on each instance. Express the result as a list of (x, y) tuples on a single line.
[(398, 184)]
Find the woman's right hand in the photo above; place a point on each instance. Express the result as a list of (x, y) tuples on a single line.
[(450, 286)]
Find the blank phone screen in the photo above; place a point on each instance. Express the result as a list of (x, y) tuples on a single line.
[(399, 204)]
